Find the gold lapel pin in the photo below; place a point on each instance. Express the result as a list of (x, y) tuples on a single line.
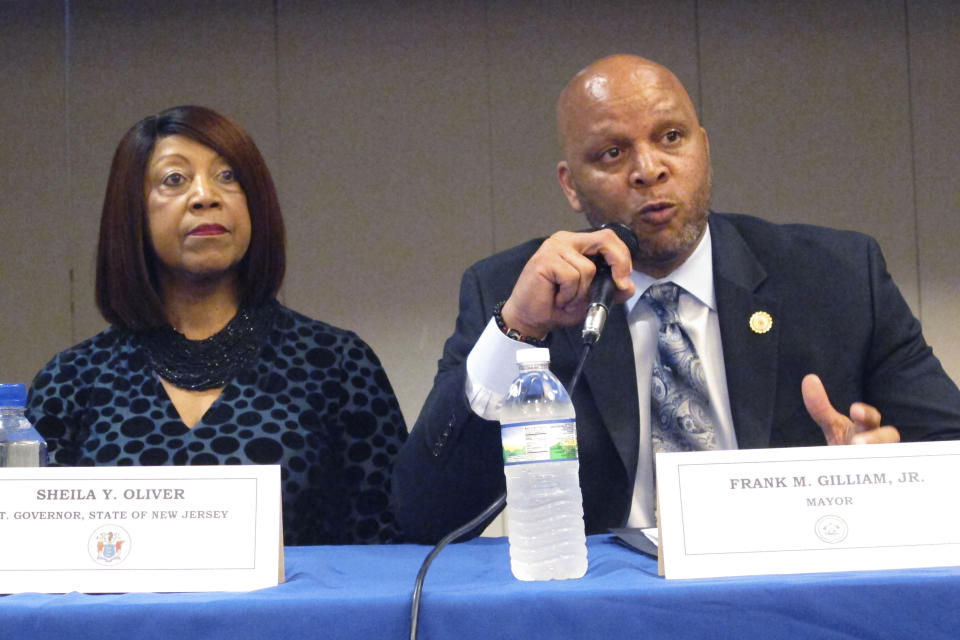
[(761, 322)]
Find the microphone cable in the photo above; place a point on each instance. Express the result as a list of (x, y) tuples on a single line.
[(490, 511), (495, 507)]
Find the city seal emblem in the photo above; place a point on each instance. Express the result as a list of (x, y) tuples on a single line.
[(831, 529)]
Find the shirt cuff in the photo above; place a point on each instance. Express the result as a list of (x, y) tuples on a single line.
[(491, 368)]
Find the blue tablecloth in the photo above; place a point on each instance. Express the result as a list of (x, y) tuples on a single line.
[(364, 593)]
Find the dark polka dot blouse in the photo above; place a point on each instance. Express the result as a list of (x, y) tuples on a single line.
[(317, 402)]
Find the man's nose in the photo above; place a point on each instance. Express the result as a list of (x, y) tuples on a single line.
[(648, 169)]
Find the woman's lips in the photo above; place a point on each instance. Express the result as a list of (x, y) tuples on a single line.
[(208, 230)]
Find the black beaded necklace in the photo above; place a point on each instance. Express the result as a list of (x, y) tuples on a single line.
[(212, 362)]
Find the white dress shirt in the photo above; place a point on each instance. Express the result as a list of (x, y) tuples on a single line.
[(697, 308), (491, 364)]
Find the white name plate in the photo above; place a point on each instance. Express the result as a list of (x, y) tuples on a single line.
[(122, 529), (809, 509)]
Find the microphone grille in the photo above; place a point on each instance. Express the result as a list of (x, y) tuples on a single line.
[(626, 236)]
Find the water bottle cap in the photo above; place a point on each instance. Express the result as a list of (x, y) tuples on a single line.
[(13, 395), (534, 355)]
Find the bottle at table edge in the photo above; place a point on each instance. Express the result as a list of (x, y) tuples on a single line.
[(20, 444), (544, 505)]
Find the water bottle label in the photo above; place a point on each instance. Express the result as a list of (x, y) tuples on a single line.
[(539, 441)]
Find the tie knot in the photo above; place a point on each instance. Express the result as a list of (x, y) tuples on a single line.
[(663, 300)]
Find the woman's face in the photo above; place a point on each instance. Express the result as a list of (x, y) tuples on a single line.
[(196, 210)]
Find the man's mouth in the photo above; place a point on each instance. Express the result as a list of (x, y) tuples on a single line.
[(657, 212)]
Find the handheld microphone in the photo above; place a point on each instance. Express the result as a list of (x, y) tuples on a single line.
[(602, 287)]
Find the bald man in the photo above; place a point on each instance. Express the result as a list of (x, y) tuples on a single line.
[(778, 314)]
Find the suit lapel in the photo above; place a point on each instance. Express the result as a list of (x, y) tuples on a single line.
[(750, 356), (612, 376)]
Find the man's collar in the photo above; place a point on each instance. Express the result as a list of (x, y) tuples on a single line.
[(695, 276)]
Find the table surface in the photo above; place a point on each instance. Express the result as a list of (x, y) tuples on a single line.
[(364, 592)]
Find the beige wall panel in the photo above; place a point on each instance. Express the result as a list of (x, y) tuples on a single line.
[(385, 162), (410, 139), (535, 48), (35, 221), (131, 59), (935, 83), (807, 108)]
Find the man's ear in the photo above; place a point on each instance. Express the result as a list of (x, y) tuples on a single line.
[(565, 179)]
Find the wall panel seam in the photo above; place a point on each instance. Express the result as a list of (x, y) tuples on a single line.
[(487, 63), (696, 44), (68, 164), (912, 141)]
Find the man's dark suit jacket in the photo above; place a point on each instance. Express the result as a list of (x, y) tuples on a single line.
[(836, 312)]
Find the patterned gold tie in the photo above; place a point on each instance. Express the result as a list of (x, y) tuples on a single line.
[(679, 401)]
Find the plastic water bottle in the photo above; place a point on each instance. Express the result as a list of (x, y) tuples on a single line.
[(20, 444), (544, 506)]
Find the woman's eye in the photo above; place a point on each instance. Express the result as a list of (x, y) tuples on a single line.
[(612, 153), (227, 176), (173, 180)]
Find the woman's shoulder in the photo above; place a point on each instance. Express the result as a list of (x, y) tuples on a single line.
[(74, 371), (294, 322), (95, 348), (322, 341), (94, 352)]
